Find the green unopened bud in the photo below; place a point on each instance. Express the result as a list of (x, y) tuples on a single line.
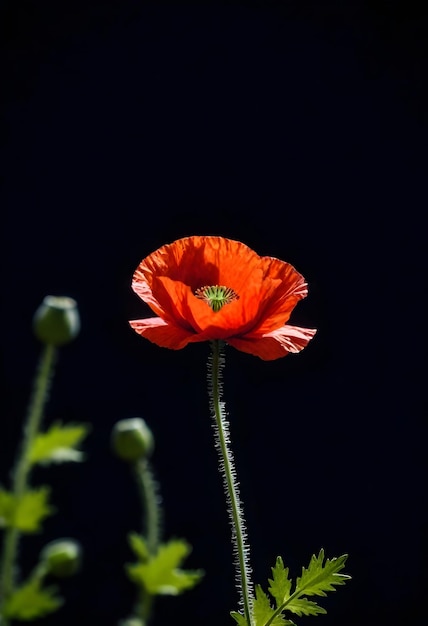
[(57, 320), (132, 621), (62, 557), (132, 439)]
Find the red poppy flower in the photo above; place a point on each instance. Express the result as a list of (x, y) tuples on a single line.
[(206, 288)]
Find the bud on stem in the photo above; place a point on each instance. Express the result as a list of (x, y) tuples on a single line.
[(57, 320), (132, 440), (62, 557)]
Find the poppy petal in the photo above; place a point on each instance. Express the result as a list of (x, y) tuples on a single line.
[(235, 263), (163, 333), (143, 289), (282, 289), (275, 344), (172, 296)]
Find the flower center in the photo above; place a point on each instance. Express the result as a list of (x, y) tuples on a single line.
[(216, 296)]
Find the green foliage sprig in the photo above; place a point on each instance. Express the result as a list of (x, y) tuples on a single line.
[(157, 570), (320, 576), (24, 508), (32, 600), (160, 573)]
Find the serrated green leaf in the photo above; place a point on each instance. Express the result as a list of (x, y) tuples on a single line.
[(318, 578), (262, 611), (261, 608), (26, 513), (32, 509), (58, 444), (303, 606), (239, 618), (161, 574), (280, 584), (30, 601), (139, 547), (321, 577)]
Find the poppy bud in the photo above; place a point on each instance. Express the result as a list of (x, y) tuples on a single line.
[(132, 439), (62, 557), (57, 320)]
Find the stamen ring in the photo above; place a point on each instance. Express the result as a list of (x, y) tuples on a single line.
[(216, 296)]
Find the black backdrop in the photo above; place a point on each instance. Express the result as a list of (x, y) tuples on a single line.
[(299, 128)]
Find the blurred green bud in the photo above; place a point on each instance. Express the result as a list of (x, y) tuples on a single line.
[(132, 621), (57, 320), (62, 557), (132, 439)]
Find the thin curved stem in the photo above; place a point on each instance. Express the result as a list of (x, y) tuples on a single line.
[(23, 466), (150, 500), (228, 471)]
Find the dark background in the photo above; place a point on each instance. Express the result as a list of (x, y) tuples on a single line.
[(299, 128)]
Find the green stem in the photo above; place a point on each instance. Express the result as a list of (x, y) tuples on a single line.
[(151, 504), (151, 526), (282, 606), (23, 467), (243, 569)]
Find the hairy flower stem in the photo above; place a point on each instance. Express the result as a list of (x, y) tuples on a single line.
[(228, 471), (150, 500), (23, 465)]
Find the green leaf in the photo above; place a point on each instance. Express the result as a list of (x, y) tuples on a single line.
[(319, 577), (26, 513), (7, 507), (262, 610), (30, 601), (280, 588), (280, 584), (239, 618), (303, 606), (32, 509), (139, 547), (161, 573), (58, 444)]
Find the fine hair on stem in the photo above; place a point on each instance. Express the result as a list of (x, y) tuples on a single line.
[(231, 486)]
